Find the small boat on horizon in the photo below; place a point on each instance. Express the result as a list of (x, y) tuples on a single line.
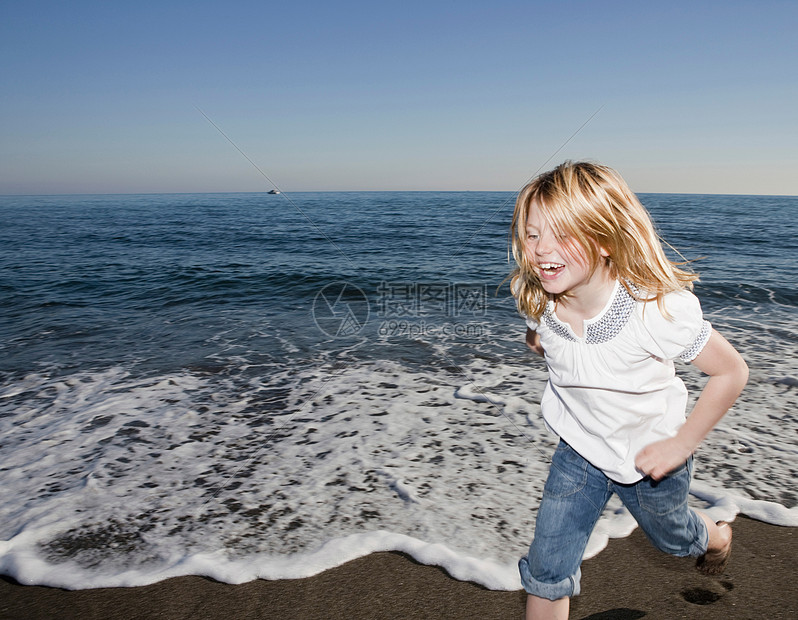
[(274, 191)]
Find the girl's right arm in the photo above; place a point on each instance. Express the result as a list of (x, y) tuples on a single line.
[(533, 341)]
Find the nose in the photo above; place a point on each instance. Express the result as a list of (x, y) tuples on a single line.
[(545, 244)]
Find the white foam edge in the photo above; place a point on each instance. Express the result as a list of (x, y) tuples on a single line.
[(726, 505), (20, 561), (19, 558)]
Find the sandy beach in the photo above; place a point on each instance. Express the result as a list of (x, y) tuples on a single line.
[(628, 580)]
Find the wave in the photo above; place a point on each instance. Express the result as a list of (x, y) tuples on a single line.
[(239, 472), (21, 559), (722, 293)]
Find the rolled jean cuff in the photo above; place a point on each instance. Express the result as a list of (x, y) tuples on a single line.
[(699, 546), (552, 591)]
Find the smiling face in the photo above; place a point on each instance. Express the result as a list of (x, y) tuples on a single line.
[(560, 262), (610, 237)]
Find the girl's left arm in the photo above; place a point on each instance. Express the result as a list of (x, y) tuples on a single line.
[(728, 374)]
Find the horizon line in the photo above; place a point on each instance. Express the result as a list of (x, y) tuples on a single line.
[(360, 191)]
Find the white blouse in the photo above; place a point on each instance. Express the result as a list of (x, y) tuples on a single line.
[(615, 390)]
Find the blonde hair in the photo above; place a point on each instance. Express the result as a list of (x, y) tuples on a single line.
[(592, 205)]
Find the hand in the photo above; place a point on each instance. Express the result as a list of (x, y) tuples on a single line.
[(662, 457), (533, 341)]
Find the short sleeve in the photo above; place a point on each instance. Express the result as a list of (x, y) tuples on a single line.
[(684, 334)]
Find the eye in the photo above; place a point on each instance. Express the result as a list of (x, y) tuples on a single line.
[(532, 236)]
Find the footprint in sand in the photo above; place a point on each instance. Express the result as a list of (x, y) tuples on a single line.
[(703, 596)]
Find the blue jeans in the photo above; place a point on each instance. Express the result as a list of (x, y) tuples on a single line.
[(573, 500)]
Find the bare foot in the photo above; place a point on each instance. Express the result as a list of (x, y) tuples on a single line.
[(714, 561)]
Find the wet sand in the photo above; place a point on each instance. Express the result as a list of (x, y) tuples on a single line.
[(628, 580)]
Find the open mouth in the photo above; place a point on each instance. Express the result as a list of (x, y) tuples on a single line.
[(551, 269)]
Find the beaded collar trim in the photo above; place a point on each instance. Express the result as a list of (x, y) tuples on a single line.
[(605, 328)]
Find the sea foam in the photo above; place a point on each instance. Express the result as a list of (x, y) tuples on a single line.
[(112, 479)]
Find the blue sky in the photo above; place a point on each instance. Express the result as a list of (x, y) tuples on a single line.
[(102, 97)]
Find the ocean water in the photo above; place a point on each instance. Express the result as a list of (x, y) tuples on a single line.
[(252, 386)]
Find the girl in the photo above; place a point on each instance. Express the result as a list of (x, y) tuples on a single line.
[(610, 313)]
